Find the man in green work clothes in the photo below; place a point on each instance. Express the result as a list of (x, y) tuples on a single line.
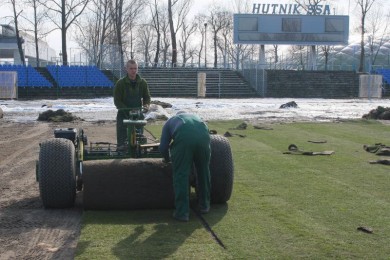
[(130, 92), (185, 140)]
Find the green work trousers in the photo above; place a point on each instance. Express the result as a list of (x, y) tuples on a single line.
[(121, 129), (191, 146)]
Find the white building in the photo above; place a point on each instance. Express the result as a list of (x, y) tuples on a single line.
[(9, 52)]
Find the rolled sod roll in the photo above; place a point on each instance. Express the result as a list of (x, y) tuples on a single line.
[(126, 184)]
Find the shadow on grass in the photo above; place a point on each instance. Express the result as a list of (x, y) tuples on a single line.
[(146, 234)]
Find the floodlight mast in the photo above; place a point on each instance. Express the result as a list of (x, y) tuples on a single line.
[(205, 45)]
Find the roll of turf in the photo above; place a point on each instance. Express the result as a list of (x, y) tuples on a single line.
[(126, 184)]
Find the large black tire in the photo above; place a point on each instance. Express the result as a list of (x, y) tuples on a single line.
[(221, 169), (57, 173)]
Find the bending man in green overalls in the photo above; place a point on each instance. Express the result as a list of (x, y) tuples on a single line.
[(190, 145), (130, 92)]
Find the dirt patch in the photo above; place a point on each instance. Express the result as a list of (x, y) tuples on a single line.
[(28, 231), (59, 115)]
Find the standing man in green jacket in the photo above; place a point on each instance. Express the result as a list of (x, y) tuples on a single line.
[(130, 92)]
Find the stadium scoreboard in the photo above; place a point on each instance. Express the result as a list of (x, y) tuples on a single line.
[(291, 29)]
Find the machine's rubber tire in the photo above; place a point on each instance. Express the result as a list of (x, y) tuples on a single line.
[(221, 169), (57, 173)]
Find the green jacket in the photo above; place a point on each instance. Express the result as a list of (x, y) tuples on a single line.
[(126, 96)]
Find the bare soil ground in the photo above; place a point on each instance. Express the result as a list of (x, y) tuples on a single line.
[(27, 230)]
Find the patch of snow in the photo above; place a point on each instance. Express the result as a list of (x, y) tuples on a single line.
[(259, 109)]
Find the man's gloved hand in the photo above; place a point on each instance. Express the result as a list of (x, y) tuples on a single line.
[(145, 108)]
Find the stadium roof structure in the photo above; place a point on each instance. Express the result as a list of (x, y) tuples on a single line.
[(353, 49), (9, 47)]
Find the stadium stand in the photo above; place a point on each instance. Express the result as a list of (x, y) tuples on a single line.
[(386, 81), (385, 73), (311, 84), (27, 76), (89, 81), (79, 76), (183, 82)]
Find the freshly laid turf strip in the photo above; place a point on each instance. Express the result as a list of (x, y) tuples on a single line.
[(283, 206)]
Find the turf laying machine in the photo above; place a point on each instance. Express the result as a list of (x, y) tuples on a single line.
[(110, 177)]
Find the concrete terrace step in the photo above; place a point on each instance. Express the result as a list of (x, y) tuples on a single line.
[(184, 81)]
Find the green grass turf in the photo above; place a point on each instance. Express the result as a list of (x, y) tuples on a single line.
[(283, 206)]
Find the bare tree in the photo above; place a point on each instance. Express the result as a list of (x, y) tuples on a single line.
[(179, 9), (225, 35), (298, 57), (37, 22), (145, 39), (310, 6), (173, 33), (233, 51), (102, 26), (156, 24), (239, 52), (63, 14), (365, 6), (326, 50), (125, 15), (95, 32), (200, 19), (187, 31), (19, 39), (377, 28), (275, 51), (166, 39), (242, 6), (218, 20)]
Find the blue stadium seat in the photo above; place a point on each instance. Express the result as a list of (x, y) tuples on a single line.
[(27, 76), (385, 73), (79, 76)]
